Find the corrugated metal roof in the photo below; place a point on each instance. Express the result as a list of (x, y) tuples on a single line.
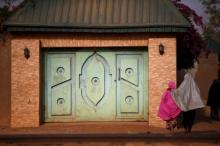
[(98, 16)]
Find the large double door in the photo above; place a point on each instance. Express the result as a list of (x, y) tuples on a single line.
[(90, 85)]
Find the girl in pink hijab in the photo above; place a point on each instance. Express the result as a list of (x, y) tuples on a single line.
[(168, 110)]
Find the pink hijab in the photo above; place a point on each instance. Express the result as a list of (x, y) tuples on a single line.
[(171, 85), (168, 110)]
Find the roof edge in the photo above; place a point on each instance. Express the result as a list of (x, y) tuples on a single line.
[(93, 26), (162, 29)]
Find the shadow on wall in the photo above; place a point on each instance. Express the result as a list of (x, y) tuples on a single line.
[(206, 74), (5, 82)]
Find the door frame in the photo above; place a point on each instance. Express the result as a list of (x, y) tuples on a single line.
[(61, 50)]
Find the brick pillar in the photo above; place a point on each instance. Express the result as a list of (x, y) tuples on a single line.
[(162, 68), (25, 83)]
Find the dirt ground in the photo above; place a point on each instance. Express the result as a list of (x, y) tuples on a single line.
[(205, 132)]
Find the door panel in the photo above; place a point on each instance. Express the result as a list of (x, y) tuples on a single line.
[(95, 79), (96, 92), (61, 100), (130, 97), (60, 87), (90, 85), (129, 70), (60, 70)]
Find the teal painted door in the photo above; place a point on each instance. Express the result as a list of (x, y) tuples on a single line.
[(130, 86), (60, 87), (96, 86), (96, 89)]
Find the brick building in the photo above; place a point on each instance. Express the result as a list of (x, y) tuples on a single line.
[(88, 60)]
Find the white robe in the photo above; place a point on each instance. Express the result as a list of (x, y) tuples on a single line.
[(187, 95)]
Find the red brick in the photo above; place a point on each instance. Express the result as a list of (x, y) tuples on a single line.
[(25, 76)]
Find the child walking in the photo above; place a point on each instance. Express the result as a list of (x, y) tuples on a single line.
[(187, 97), (168, 110)]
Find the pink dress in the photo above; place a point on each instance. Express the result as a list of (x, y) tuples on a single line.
[(168, 109)]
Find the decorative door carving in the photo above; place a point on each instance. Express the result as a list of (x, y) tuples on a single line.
[(95, 80), (60, 91), (130, 78), (95, 86)]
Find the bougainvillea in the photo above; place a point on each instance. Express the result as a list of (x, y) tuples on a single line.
[(212, 9), (190, 43), (6, 9)]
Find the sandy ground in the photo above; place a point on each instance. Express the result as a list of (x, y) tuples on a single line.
[(128, 134), (205, 132)]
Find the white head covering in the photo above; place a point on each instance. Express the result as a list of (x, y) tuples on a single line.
[(187, 95)]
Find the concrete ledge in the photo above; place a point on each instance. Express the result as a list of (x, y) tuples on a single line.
[(206, 136)]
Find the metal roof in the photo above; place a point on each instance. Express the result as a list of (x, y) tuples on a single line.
[(97, 16)]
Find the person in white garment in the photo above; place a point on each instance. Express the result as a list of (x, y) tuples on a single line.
[(187, 97)]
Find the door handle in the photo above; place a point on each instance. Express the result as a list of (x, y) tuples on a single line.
[(119, 74)]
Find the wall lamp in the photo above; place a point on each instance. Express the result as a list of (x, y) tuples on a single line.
[(26, 53), (161, 49)]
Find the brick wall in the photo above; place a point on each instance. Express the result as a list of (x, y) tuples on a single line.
[(89, 40), (162, 68), (25, 91), (25, 73)]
